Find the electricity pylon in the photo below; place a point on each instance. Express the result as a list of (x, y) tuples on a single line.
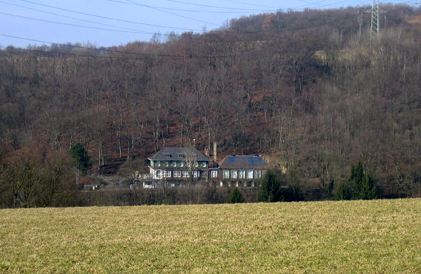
[(375, 22)]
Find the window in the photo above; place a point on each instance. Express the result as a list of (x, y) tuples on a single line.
[(166, 163), (177, 173), (234, 174), (196, 174), (204, 164), (168, 155), (226, 174), (258, 174), (180, 164), (158, 163), (182, 156), (249, 174), (168, 173), (185, 174), (242, 174), (196, 164), (158, 174), (214, 173)]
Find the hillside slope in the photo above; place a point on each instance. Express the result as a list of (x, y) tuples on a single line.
[(257, 87)]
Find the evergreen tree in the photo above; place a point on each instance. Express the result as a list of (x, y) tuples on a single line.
[(357, 176), (368, 190), (343, 192), (270, 188), (364, 185), (81, 159), (236, 197)]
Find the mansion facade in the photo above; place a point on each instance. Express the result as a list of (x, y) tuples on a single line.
[(176, 166)]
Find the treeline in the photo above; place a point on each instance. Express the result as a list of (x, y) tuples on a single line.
[(32, 177), (304, 88)]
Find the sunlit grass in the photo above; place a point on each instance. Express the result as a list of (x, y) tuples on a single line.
[(381, 236)]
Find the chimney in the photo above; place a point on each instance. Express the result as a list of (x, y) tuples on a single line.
[(215, 152)]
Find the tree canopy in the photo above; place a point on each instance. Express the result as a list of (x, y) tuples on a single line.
[(80, 158)]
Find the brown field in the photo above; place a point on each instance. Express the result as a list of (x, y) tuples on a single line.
[(380, 236)]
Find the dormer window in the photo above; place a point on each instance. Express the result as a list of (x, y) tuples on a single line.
[(182, 156), (168, 155)]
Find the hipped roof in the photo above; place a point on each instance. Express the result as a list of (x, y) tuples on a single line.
[(173, 154), (243, 161)]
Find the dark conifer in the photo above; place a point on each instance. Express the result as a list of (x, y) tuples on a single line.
[(270, 188), (81, 159), (236, 197)]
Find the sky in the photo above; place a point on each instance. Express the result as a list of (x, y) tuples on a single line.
[(107, 23)]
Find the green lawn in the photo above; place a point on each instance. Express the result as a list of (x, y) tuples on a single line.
[(382, 236)]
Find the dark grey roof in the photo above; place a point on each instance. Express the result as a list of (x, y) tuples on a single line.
[(243, 161), (179, 154)]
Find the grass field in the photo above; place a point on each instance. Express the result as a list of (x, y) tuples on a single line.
[(381, 236)]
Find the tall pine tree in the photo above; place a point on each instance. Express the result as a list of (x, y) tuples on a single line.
[(364, 185), (270, 190), (357, 176), (368, 190)]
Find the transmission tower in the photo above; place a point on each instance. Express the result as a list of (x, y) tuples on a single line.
[(375, 22)]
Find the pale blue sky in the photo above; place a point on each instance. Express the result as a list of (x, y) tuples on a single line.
[(117, 22)]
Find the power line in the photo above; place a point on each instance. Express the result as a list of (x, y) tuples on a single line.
[(46, 12), (158, 9), (108, 18), (235, 10), (104, 17), (319, 6), (72, 25), (209, 6), (242, 3)]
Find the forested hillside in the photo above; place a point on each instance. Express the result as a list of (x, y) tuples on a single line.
[(308, 90)]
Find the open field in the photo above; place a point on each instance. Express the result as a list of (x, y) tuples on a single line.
[(381, 236)]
